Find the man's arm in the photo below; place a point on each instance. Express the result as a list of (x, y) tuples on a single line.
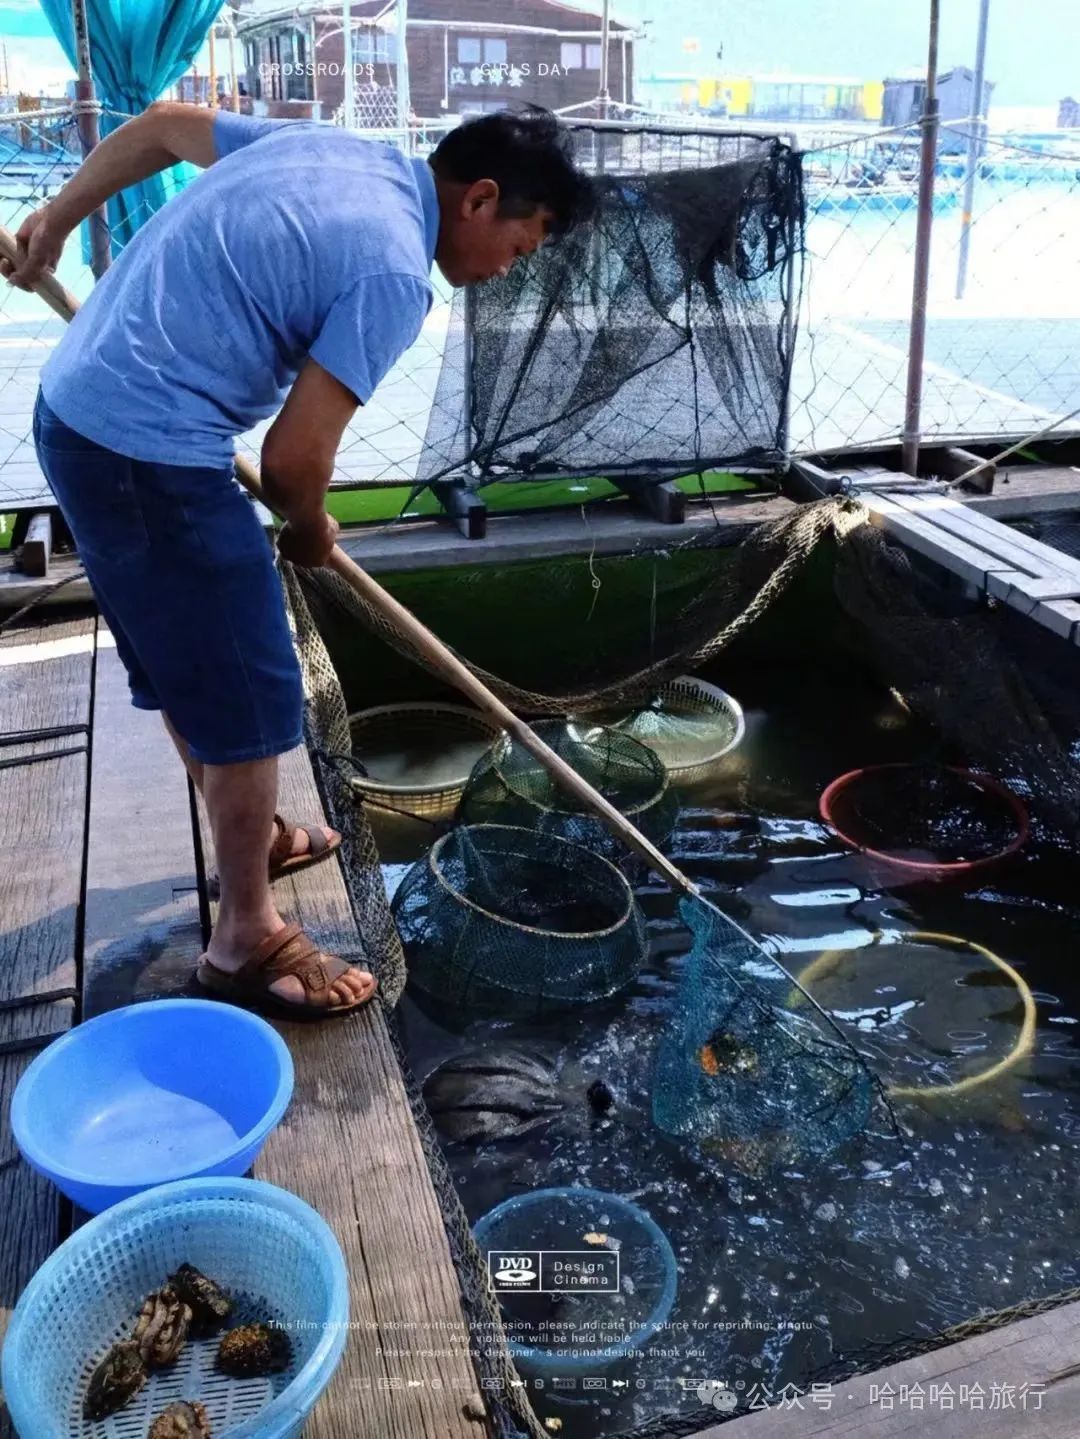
[(160, 137), (298, 456)]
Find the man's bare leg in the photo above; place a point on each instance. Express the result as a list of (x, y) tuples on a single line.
[(193, 766), (196, 769), (240, 801)]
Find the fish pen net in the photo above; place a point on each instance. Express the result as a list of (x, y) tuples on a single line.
[(510, 786), (516, 923), (946, 656), (655, 339)]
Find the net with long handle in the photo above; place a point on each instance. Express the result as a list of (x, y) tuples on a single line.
[(741, 1074)]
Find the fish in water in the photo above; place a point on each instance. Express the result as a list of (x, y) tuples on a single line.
[(505, 1092), (722, 1053)]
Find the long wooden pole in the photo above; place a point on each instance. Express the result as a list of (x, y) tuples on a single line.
[(235, 101), (432, 649), (212, 97), (923, 233)]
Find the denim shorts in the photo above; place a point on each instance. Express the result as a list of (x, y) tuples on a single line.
[(185, 579)]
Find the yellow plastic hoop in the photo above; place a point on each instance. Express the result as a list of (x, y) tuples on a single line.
[(1025, 1041)]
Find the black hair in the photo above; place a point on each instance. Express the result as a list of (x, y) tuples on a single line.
[(529, 155)]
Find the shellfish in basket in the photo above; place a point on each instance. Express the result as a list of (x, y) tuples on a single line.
[(118, 1378), (254, 1349), (181, 1421), (209, 1304), (162, 1327)]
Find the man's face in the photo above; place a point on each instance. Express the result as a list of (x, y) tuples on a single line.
[(476, 242)]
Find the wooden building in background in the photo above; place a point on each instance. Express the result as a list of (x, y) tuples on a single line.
[(464, 57)]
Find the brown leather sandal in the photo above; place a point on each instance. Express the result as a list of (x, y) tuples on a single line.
[(282, 860), (289, 951)]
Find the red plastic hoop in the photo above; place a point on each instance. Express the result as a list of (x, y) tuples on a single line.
[(930, 869)]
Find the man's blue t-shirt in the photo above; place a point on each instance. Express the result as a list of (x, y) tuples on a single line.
[(302, 239)]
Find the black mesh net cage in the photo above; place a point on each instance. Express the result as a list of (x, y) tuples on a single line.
[(655, 339), (516, 924), (509, 785)]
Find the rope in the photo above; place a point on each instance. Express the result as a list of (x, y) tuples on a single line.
[(40, 597), (1020, 444)]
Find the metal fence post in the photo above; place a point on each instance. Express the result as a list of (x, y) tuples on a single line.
[(975, 145), (87, 113), (917, 339)]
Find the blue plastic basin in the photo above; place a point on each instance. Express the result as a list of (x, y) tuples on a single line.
[(166, 1090), (556, 1221)]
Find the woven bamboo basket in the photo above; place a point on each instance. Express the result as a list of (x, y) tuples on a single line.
[(417, 756)]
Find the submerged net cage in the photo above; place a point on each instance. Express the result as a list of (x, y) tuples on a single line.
[(589, 1330), (510, 786), (753, 1084), (516, 924), (655, 339), (953, 663)]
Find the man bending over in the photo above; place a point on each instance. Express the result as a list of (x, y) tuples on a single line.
[(290, 276)]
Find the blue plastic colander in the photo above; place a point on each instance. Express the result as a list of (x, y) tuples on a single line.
[(272, 1252)]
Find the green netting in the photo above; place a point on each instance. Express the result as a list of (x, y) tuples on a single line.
[(750, 1082), (510, 786), (516, 923)]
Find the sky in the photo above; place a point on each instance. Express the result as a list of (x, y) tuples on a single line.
[(1033, 52), (1033, 49)]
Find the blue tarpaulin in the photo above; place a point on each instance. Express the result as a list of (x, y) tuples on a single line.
[(138, 48)]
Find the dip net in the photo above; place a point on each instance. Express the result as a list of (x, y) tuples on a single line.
[(516, 924), (509, 785), (753, 1084)]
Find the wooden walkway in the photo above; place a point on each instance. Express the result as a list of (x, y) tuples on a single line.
[(1008, 566), (1018, 1382), (101, 907)]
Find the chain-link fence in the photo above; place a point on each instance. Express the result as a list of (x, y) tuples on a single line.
[(1002, 360), (39, 150), (1002, 356)]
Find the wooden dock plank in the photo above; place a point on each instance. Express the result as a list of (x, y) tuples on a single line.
[(983, 532), (142, 932), (1016, 570), (1024, 491), (349, 1146), (930, 541), (608, 529), (44, 681), (1039, 1353), (45, 673)]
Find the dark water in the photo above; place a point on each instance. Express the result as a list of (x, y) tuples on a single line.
[(782, 1277)]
